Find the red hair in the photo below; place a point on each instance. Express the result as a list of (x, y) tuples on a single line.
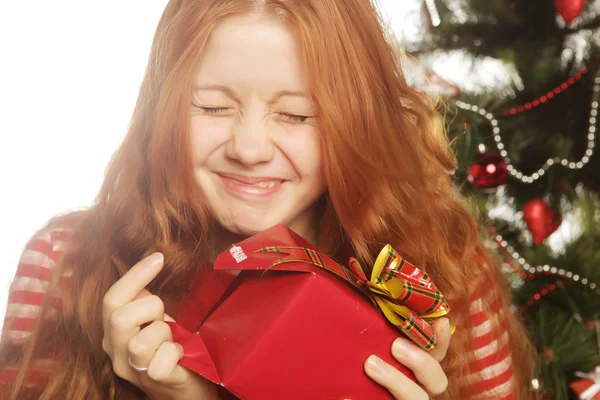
[(387, 163)]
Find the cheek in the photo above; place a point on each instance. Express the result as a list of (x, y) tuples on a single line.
[(303, 149), (208, 134), (310, 165)]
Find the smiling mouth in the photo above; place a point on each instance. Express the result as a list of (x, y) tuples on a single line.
[(245, 186)]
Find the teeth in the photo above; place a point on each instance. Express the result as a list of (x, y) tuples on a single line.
[(267, 184)]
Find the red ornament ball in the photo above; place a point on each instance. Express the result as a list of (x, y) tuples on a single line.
[(489, 171), (569, 9), (540, 219)]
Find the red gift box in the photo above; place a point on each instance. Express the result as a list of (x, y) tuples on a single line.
[(587, 388), (288, 330)]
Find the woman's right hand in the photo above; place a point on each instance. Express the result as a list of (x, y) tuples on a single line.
[(126, 307)]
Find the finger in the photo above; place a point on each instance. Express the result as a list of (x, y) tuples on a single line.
[(427, 370), (127, 288), (125, 322), (138, 312), (167, 317), (106, 340), (442, 331), (143, 293), (398, 384), (163, 367), (143, 346)]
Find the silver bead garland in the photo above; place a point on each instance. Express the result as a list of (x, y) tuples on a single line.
[(433, 12), (546, 269), (589, 152)]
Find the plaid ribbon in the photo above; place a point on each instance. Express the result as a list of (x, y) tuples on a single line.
[(404, 294)]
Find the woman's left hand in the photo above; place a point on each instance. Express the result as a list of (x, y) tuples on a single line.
[(431, 379)]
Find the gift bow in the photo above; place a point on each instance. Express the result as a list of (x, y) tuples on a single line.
[(404, 294), (593, 390)]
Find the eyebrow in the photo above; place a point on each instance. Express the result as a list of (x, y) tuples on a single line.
[(289, 93), (225, 89), (274, 98)]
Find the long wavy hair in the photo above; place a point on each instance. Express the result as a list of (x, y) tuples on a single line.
[(388, 166)]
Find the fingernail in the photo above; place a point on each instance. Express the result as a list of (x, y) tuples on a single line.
[(400, 346), (155, 259), (376, 365)]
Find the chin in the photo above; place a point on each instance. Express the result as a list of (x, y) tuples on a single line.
[(249, 228)]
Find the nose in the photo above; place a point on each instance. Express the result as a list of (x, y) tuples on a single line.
[(251, 142)]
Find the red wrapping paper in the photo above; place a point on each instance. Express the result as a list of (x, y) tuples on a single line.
[(295, 331)]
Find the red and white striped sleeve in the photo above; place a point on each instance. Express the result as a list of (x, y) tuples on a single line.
[(26, 296), (490, 375)]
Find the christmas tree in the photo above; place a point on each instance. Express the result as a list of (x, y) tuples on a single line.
[(520, 80)]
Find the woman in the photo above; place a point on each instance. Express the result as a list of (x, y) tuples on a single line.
[(254, 113)]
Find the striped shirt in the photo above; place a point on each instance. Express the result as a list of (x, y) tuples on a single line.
[(28, 289)]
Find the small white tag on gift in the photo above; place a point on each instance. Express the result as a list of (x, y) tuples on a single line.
[(238, 253)]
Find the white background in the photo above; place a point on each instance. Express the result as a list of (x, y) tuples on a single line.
[(69, 75)]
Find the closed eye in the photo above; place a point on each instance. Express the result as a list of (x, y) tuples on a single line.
[(213, 110), (295, 118), (291, 117)]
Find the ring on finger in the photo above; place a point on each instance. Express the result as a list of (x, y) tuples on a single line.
[(138, 369)]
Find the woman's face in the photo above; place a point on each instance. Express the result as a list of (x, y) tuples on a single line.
[(254, 134)]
